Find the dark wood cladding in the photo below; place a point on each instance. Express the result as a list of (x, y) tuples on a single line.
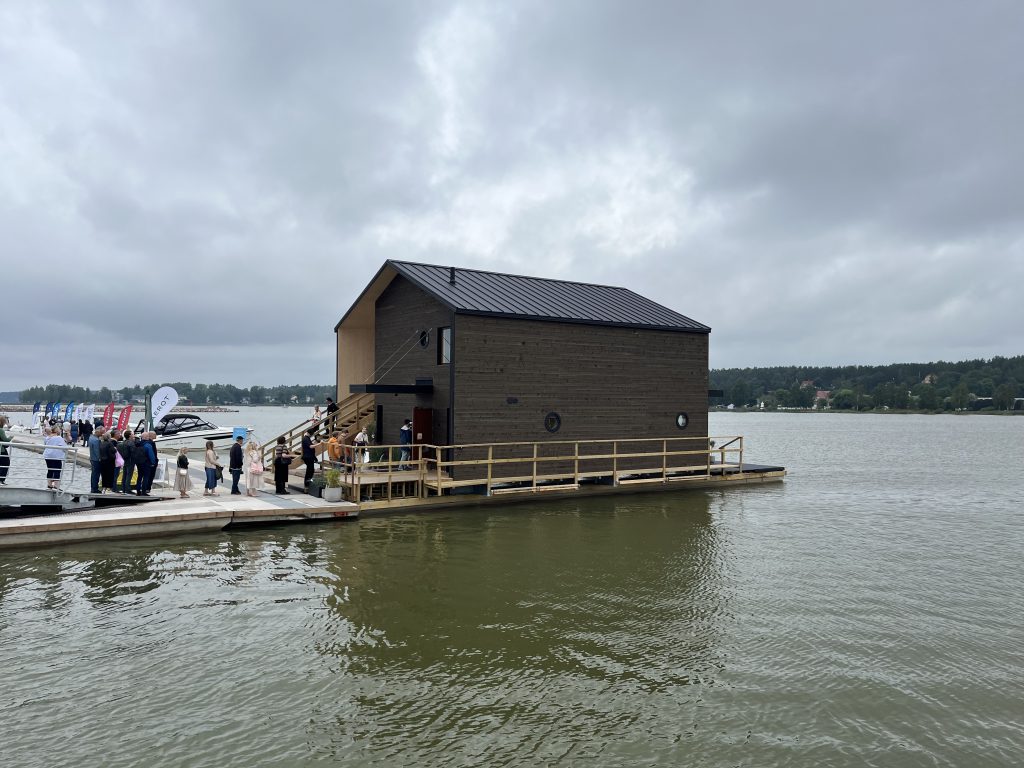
[(605, 383), (402, 311)]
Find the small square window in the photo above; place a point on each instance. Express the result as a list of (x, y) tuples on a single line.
[(444, 346)]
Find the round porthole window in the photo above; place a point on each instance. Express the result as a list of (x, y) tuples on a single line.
[(424, 339), (682, 420), (552, 422)]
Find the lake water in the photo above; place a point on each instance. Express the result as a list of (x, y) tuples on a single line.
[(867, 612)]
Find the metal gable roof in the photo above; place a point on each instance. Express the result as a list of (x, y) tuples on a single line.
[(494, 293)]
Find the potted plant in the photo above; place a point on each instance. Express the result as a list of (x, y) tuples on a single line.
[(316, 485), (333, 490)]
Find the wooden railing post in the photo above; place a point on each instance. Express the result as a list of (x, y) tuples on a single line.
[(535, 466), (664, 460), (615, 462), (490, 460)]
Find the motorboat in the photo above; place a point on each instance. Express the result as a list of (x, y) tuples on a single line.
[(187, 429)]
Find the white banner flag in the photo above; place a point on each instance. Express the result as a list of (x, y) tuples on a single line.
[(164, 399)]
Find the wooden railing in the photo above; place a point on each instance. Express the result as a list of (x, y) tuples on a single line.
[(535, 467), (353, 412)]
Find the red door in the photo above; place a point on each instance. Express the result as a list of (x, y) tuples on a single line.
[(422, 428)]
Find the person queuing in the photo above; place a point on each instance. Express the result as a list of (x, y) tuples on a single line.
[(146, 462), (253, 468), (235, 464), (94, 458), (211, 462), (128, 448), (309, 449), (85, 431), (334, 449), (5, 457), (332, 409), (108, 461), (282, 460), (53, 455), (360, 443), (405, 441), (182, 481)]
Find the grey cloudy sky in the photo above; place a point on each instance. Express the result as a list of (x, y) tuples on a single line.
[(198, 190)]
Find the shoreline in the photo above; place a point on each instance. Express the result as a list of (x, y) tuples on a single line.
[(26, 408)]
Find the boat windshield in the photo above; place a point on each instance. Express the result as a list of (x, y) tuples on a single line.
[(172, 425)]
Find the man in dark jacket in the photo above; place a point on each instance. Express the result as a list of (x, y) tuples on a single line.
[(141, 462), (146, 476), (127, 449), (235, 465), (309, 455)]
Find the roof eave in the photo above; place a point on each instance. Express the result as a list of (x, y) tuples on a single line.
[(365, 290)]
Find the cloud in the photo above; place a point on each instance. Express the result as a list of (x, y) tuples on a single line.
[(201, 191)]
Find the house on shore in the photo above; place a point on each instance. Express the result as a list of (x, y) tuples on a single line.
[(483, 357)]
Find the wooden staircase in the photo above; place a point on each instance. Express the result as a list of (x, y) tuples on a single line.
[(353, 412)]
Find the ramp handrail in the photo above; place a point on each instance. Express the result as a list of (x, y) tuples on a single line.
[(350, 414), (436, 467), (70, 456)]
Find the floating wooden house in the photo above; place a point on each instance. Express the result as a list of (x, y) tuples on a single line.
[(477, 357)]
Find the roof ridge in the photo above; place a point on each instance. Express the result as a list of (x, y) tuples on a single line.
[(508, 274)]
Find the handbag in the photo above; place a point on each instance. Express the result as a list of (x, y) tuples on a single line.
[(183, 473), (256, 469), (118, 459)]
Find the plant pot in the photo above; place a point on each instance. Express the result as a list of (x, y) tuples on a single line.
[(315, 490), (332, 494)]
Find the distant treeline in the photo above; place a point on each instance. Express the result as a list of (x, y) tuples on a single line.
[(934, 386), (197, 394)]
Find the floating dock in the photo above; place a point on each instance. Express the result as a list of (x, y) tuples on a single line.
[(170, 516), (435, 477)]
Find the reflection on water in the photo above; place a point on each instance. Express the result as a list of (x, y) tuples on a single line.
[(853, 616), (567, 615)]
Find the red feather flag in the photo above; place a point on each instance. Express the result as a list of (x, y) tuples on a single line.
[(122, 420)]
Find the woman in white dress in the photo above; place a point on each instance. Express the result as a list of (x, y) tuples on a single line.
[(253, 468)]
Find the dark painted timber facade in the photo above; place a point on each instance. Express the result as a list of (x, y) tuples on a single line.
[(492, 358)]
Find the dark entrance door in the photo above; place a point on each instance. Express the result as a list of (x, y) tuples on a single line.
[(422, 428)]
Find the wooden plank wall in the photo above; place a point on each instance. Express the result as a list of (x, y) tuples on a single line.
[(604, 382)]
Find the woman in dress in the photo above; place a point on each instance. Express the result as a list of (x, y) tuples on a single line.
[(181, 480), (212, 460), (53, 454), (253, 468)]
